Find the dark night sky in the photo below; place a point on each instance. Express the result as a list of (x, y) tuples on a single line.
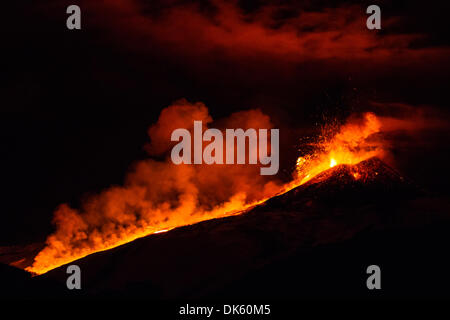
[(76, 105)]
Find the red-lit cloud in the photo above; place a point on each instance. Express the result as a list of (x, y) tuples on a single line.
[(186, 31)]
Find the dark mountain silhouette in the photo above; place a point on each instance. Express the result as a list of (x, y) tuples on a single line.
[(314, 241)]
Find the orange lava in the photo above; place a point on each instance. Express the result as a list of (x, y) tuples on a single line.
[(353, 143), (79, 234)]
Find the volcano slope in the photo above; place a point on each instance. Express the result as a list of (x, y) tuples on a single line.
[(315, 241)]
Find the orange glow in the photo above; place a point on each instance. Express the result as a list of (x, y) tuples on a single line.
[(97, 229), (354, 142)]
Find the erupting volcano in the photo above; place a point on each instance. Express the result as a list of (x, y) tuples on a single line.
[(160, 196), (224, 150)]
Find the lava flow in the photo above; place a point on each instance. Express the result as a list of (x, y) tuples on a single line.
[(161, 196)]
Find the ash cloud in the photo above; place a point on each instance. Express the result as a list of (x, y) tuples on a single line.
[(158, 194)]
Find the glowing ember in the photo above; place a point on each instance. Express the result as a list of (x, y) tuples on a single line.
[(123, 214)]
